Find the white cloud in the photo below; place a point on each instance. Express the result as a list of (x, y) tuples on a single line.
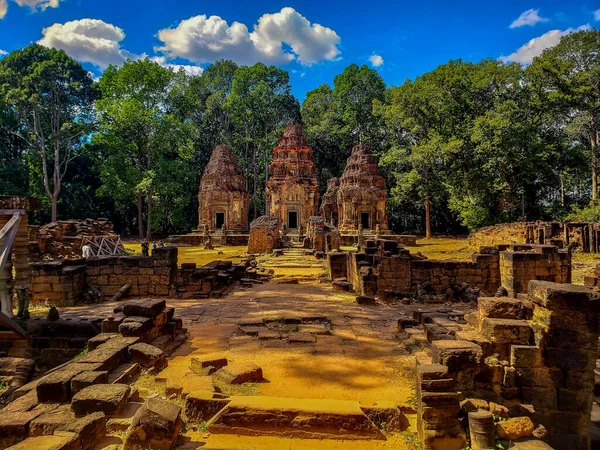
[(3, 8), (536, 46), (206, 39), (190, 70), (3, 52), (529, 17), (38, 4), (376, 60), (88, 40), (597, 15)]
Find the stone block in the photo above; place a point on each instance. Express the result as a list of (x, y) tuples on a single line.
[(506, 331), (61, 440), (501, 308), (525, 356), (515, 428), (201, 405), (107, 398), (558, 296), (144, 307), (88, 378), (542, 399), (146, 355), (456, 355), (155, 425), (547, 377), (239, 373), (575, 400)]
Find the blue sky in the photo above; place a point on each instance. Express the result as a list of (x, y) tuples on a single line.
[(313, 40)]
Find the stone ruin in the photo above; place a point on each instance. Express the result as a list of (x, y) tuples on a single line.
[(516, 369), (74, 405), (362, 196), (264, 235), (223, 195), (387, 270), (582, 236), (292, 188), (65, 238), (321, 237)]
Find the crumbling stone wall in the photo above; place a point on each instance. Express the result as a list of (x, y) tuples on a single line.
[(533, 356), (62, 283), (362, 191), (337, 264), (264, 234), (482, 272), (292, 186), (223, 191), (521, 263)]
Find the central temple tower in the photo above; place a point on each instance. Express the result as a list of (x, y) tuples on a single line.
[(292, 189)]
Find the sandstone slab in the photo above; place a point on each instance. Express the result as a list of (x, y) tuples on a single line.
[(155, 425), (108, 398), (238, 373)]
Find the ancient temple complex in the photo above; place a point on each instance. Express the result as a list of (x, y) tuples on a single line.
[(362, 196), (223, 196), (292, 189)]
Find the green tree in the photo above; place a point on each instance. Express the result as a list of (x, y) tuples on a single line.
[(51, 95), (354, 91), (570, 74), (143, 114)]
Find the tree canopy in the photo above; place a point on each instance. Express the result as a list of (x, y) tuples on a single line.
[(465, 145)]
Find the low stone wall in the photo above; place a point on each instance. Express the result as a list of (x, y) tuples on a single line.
[(51, 342), (62, 283), (521, 263), (410, 240), (197, 239), (504, 233), (482, 272), (392, 271)]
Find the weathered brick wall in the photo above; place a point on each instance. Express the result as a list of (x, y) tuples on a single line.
[(394, 275), (61, 283), (521, 263), (504, 233), (482, 272), (337, 265)]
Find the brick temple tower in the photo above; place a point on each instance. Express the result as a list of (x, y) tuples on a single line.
[(329, 206), (362, 196), (292, 189), (223, 196)]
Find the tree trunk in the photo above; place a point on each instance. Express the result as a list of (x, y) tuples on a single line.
[(562, 190), (254, 178), (140, 215), (594, 145), (148, 231), (53, 201), (427, 217)]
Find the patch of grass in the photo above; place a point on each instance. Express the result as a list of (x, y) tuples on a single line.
[(82, 353), (412, 440)]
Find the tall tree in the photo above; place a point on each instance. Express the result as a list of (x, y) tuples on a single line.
[(52, 96), (143, 111), (570, 73), (354, 91)]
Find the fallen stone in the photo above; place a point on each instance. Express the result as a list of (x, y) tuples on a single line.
[(199, 363), (14, 427), (515, 428), (108, 398), (238, 373), (456, 355), (144, 307), (88, 378), (59, 441), (301, 338), (155, 425), (89, 429), (297, 418), (365, 300), (314, 328), (201, 406), (146, 355), (55, 387)]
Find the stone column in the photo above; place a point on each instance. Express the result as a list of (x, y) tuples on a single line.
[(566, 329), (6, 278), (21, 265)]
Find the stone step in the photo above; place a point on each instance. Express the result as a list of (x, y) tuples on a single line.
[(296, 418)]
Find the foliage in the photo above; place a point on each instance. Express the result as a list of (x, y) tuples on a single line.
[(465, 145)]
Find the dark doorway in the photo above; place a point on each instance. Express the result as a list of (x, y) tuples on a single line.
[(219, 220), (364, 220), (292, 219)]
